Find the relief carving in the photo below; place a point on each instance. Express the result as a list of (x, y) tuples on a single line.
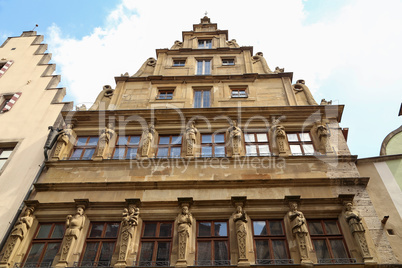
[(103, 100), (279, 134), (146, 140), (300, 86), (128, 224), (323, 136), (191, 138), (235, 135), (240, 219), (104, 139), (184, 222)]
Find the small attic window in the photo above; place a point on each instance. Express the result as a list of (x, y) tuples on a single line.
[(228, 62), (179, 63), (206, 43)]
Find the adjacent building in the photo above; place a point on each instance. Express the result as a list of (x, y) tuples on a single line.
[(204, 157)]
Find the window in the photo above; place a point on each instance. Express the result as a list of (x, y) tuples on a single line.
[(4, 67), (270, 242), (156, 244), (84, 148), (4, 155), (100, 243), (328, 241), (8, 101), (228, 62), (257, 144), (179, 63), (212, 243), (45, 245), (202, 98), (126, 147), (203, 67), (165, 95), (300, 144), (213, 145), (4, 100), (205, 43), (169, 146), (239, 93)]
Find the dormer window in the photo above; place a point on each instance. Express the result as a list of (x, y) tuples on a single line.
[(206, 44)]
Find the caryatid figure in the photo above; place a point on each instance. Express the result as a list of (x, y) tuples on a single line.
[(240, 219), (146, 140), (191, 138), (299, 230), (184, 222), (104, 139), (128, 224), (235, 135)]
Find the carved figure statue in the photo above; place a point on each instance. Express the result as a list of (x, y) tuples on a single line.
[(74, 225), (177, 44), (146, 140), (104, 139), (259, 57), (191, 138), (128, 224), (232, 43), (184, 221), (125, 74), (52, 137), (65, 138), (324, 102), (103, 99), (147, 68), (300, 86), (235, 135), (279, 70), (81, 107), (299, 229), (240, 219), (323, 135)]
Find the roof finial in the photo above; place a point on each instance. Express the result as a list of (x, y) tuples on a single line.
[(36, 25), (206, 13)]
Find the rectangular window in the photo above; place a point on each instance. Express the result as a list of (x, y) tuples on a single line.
[(156, 244), (205, 43), (257, 144), (228, 62), (84, 148), (239, 93), (169, 146), (212, 243), (328, 241), (202, 98), (4, 100), (4, 155), (126, 147), (213, 145), (8, 101), (300, 143), (165, 95), (100, 243), (203, 67), (45, 245), (270, 242), (179, 63)]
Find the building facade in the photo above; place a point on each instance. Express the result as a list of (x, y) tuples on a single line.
[(204, 157), (29, 102)]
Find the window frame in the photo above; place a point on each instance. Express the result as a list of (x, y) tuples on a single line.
[(84, 148), (300, 143), (4, 100), (228, 61), (179, 63), (204, 43), (126, 147), (213, 144), (203, 64), (238, 95), (256, 143), (169, 146), (202, 103), (165, 94)]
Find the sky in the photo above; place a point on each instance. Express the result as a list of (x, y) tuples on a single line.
[(347, 51)]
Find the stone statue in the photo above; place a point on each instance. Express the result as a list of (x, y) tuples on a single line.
[(184, 221), (240, 219), (147, 68), (232, 43), (177, 44), (146, 140), (259, 57), (125, 74), (299, 230), (65, 137), (103, 100), (300, 86), (81, 107), (52, 137), (18, 233), (235, 135), (324, 102), (106, 134), (191, 138), (128, 224), (323, 135), (279, 70)]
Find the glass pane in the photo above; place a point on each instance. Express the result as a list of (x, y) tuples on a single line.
[(107, 251), (295, 149), (90, 252), (122, 141), (96, 230), (76, 154), (204, 229), (292, 137), (134, 140), (315, 228), (264, 149), (235, 93), (35, 252), (220, 229), (119, 153), (279, 249), (111, 230), (88, 154), (50, 253), (206, 138), (321, 249), (197, 99), (206, 99), (6, 153), (164, 140), (93, 141), (249, 137), (150, 230), (204, 251), (199, 71), (165, 230), (58, 231), (81, 141), (275, 227), (308, 149), (131, 153), (331, 227), (262, 249), (251, 150), (305, 137), (219, 138), (163, 251), (262, 137), (220, 151), (176, 140), (163, 152), (175, 152), (260, 228), (147, 249), (206, 151), (221, 251), (208, 43), (338, 249), (44, 231)]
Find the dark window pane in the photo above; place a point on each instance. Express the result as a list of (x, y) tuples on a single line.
[(219, 150), (44, 231), (219, 138), (331, 227), (107, 251), (58, 231), (206, 151), (134, 140), (321, 249), (276, 227), (315, 228), (197, 94), (147, 249), (90, 252), (206, 138), (50, 253), (204, 229), (82, 141), (131, 153), (175, 152), (88, 154), (262, 249), (206, 97), (279, 249), (204, 251), (163, 152), (111, 230), (96, 230), (220, 229), (176, 140), (119, 153), (163, 251), (221, 251), (259, 228), (338, 248), (93, 141), (35, 252), (76, 154), (150, 230), (164, 140), (122, 140), (165, 230), (207, 70)]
